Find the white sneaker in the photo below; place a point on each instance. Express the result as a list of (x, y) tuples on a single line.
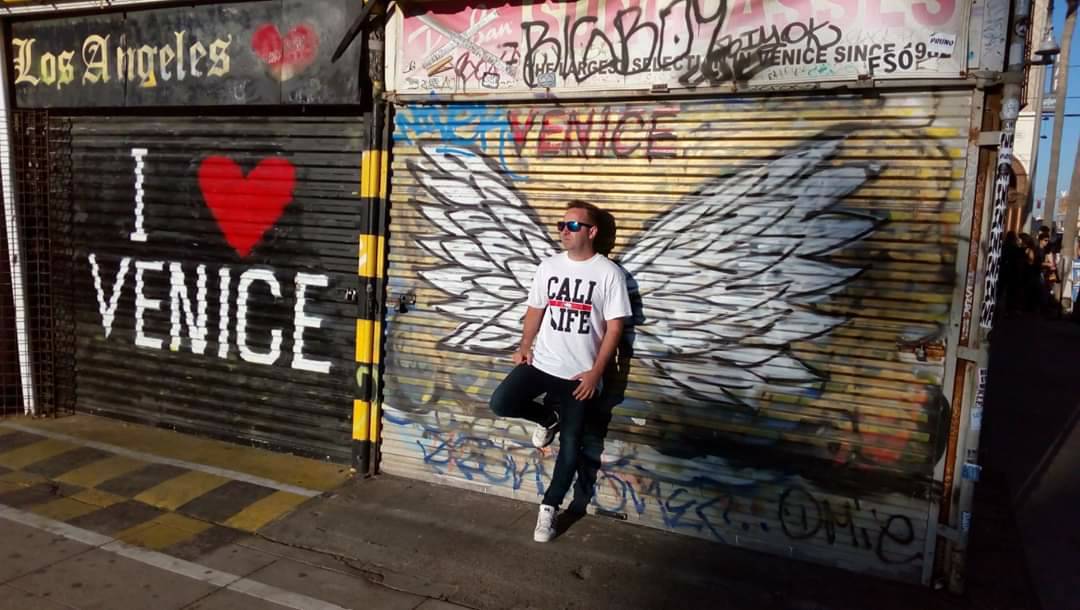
[(543, 435), (545, 524)]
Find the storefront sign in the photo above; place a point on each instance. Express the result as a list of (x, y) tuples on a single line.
[(678, 44), (254, 53)]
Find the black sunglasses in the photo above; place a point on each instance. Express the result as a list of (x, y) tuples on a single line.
[(573, 225)]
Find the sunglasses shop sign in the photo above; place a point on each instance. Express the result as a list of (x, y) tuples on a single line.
[(679, 44)]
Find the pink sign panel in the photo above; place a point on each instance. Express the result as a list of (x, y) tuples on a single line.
[(463, 48)]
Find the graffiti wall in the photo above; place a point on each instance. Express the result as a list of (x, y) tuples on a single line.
[(791, 261), (678, 44), (215, 273)]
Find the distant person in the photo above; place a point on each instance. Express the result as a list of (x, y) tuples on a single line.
[(1010, 280), (1030, 272), (1076, 283), (1052, 265), (1048, 269), (576, 312)]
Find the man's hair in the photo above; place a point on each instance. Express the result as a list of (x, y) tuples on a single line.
[(593, 213), (604, 222)]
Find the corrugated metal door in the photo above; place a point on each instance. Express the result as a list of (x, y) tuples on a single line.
[(794, 262), (216, 263)]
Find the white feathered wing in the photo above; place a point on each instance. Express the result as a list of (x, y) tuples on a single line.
[(487, 242), (724, 278)]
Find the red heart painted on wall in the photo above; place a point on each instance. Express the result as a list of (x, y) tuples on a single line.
[(245, 207), (287, 55)]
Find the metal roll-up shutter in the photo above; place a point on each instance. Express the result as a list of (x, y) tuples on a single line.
[(795, 261), (217, 274)]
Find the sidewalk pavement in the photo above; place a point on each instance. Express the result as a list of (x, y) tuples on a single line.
[(205, 534), (46, 568), (96, 513), (1031, 439), (477, 550)]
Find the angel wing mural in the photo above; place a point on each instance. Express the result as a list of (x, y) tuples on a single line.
[(726, 278), (731, 282)]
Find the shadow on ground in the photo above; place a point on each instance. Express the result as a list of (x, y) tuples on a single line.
[(476, 549), (1031, 447)]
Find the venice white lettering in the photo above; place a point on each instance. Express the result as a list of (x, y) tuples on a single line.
[(108, 312), (223, 313), (247, 278), (192, 312), (303, 320), (142, 303), (180, 299), (189, 318)]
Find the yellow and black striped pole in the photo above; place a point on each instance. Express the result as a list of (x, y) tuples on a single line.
[(374, 178)]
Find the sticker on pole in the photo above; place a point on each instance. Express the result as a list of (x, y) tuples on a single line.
[(977, 408), (971, 471), (1076, 281), (941, 44)]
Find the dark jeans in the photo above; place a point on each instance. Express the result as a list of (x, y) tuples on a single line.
[(515, 397)]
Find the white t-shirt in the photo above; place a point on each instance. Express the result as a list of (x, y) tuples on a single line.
[(579, 297)]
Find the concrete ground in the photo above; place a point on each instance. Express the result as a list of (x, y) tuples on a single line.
[(477, 551), (1032, 441), (393, 543), (57, 569), (101, 514)]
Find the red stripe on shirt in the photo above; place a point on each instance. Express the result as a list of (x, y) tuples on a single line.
[(569, 305)]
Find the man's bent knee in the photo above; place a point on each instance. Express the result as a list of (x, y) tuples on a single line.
[(501, 403)]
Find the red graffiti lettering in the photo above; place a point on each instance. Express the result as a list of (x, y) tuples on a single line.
[(946, 9), (549, 145), (746, 14), (617, 136), (657, 138), (581, 128), (804, 11), (595, 133), (520, 129), (876, 17), (849, 15)]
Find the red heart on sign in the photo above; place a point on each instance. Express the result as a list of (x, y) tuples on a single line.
[(286, 56), (246, 207)]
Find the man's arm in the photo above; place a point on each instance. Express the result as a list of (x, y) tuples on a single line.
[(590, 379), (533, 318)]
